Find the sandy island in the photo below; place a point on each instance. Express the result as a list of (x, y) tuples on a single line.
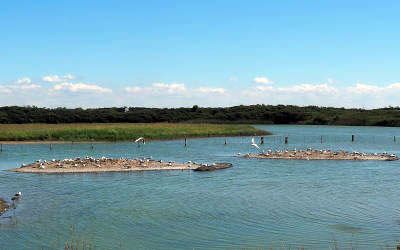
[(310, 154), (3, 206), (89, 164)]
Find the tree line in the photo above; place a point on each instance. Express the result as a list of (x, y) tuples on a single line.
[(262, 114)]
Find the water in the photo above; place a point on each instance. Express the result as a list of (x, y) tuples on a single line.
[(255, 204)]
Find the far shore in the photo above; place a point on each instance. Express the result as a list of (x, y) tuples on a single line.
[(118, 132), (120, 141)]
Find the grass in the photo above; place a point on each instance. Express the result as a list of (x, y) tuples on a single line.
[(119, 131)]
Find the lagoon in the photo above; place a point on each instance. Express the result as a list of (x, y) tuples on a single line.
[(256, 204)]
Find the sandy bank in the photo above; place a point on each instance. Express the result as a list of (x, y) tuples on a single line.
[(3, 206), (89, 164), (323, 155)]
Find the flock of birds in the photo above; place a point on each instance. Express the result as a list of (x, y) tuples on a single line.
[(104, 161), (143, 161), (309, 151)]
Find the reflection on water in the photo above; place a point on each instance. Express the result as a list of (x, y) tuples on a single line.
[(255, 204)]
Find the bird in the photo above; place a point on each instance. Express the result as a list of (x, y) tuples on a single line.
[(254, 144), (16, 196), (140, 139)]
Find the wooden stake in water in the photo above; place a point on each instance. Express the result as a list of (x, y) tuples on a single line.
[(262, 140), (321, 138), (352, 138), (394, 138), (225, 142), (1, 147), (185, 142), (50, 146), (286, 139)]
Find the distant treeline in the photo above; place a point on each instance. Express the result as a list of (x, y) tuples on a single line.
[(263, 114)]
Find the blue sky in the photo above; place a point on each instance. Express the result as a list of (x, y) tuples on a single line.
[(180, 53)]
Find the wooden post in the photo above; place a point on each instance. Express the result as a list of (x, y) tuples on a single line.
[(50, 146), (185, 142), (321, 138), (262, 140), (225, 142), (394, 138), (286, 139), (352, 138), (1, 147)]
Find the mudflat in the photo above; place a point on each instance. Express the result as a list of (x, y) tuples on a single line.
[(89, 164), (310, 154)]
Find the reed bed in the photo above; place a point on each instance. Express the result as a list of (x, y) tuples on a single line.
[(119, 131)]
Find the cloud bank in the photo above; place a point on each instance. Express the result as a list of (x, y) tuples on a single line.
[(65, 90)]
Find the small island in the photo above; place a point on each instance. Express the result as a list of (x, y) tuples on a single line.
[(311, 154), (93, 165), (3, 206)]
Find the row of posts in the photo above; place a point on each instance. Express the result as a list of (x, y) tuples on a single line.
[(286, 140)]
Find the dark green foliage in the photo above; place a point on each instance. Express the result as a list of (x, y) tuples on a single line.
[(266, 114)]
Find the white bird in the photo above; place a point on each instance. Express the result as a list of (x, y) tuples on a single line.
[(140, 139), (16, 196), (254, 144)]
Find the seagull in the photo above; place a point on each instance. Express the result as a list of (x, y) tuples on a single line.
[(254, 144), (140, 139), (16, 196)]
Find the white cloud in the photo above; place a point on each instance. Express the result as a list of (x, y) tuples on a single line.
[(29, 86), (262, 80), (300, 89), (395, 86), (310, 88), (360, 88), (158, 88), (265, 88), (24, 83), (170, 88), (25, 91), (134, 89), (24, 80), (5, 89), (208, 90), (57, 78), (80, 87), (363, 89)]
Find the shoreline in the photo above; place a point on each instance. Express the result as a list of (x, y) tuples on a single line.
[(310, 154), (101, 165), (121, 141), (114, 132)]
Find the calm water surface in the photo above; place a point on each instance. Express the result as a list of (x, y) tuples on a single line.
[(255, 204)]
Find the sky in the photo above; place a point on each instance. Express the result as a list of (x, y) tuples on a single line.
[(207, 53)]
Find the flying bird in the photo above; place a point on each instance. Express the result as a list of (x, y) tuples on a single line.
[(140, 139), (254, 144)]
